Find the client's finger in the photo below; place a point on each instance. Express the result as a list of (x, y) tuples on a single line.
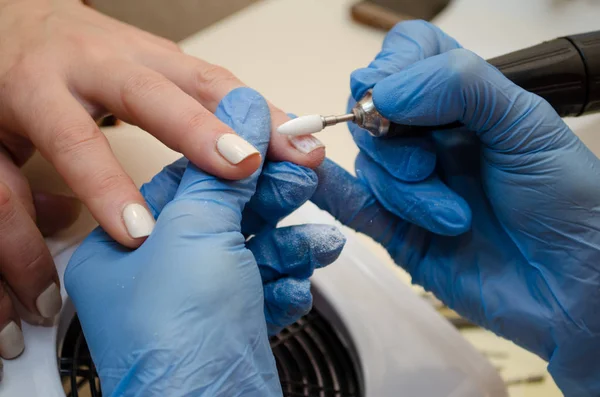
[(25, 262), (209, 84), (148, 99), (55, 212)]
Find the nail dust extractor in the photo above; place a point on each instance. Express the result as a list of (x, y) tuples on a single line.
[(564, 71), (369, 335)]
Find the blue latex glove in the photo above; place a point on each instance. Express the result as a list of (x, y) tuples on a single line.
[(528, 268), (184, 314), (429, 204)]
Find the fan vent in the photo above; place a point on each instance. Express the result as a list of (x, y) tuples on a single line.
[(311, 361)]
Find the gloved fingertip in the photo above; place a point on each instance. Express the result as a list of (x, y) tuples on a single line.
[(163, 186), (292, 115), (247, 113), (389, 98), (420, 165), (287, 299), (454, 220), (282, 188), (408, 159), (362, 80), (289, 294), (290, 175), (327, 243)]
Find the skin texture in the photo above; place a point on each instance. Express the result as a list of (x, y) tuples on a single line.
[(63, 66)]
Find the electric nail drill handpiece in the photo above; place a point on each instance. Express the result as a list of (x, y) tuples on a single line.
[(564, 71)]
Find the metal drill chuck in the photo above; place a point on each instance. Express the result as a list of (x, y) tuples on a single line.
[(367, 117)]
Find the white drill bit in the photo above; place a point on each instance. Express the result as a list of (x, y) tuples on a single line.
[(311, 124)]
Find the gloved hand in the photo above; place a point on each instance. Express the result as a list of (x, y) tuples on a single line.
[(524, 191), (184, 314)]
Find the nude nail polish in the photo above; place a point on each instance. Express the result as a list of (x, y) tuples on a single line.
[(49, 302), (306, 143), (11, 341), (138, 220), (234, 148)]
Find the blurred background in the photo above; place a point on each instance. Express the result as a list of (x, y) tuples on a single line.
[(173, 19)]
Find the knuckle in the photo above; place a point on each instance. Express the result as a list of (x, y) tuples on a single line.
[(22, 68), (73, 138), (105, 182), (415, 25), (171, 45), (36, 266), (463, 65), (211, 76), (22, 75), (140, 86), (413, 28), (5, 196), (7, 210), (196, 121), (6, 306)]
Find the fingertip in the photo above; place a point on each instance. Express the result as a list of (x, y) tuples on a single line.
[(408, 159), (429, 204), (250, 164), (12, 343), (455, 219), (312, 151), (306, 150), (387, 96), (244, 96), (247, 113), (235, 149), (233, 158), (362, 80), (282, 188), (139, 223), (290, 297), (242, 170), (286, 301), (327, 243)]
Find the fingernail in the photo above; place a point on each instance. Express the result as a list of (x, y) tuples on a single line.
[(138, 221), (11, 341), (306, 143), (235, 148), (49, 302)]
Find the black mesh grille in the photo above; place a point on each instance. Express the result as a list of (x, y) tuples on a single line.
[(311, 361)]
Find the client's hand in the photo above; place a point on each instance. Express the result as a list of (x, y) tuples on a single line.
[(184, 313)]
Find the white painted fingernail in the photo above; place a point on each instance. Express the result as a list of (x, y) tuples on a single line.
[(11, 341), (49, 302), (235, 148), (306, 143), (138, 221)]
